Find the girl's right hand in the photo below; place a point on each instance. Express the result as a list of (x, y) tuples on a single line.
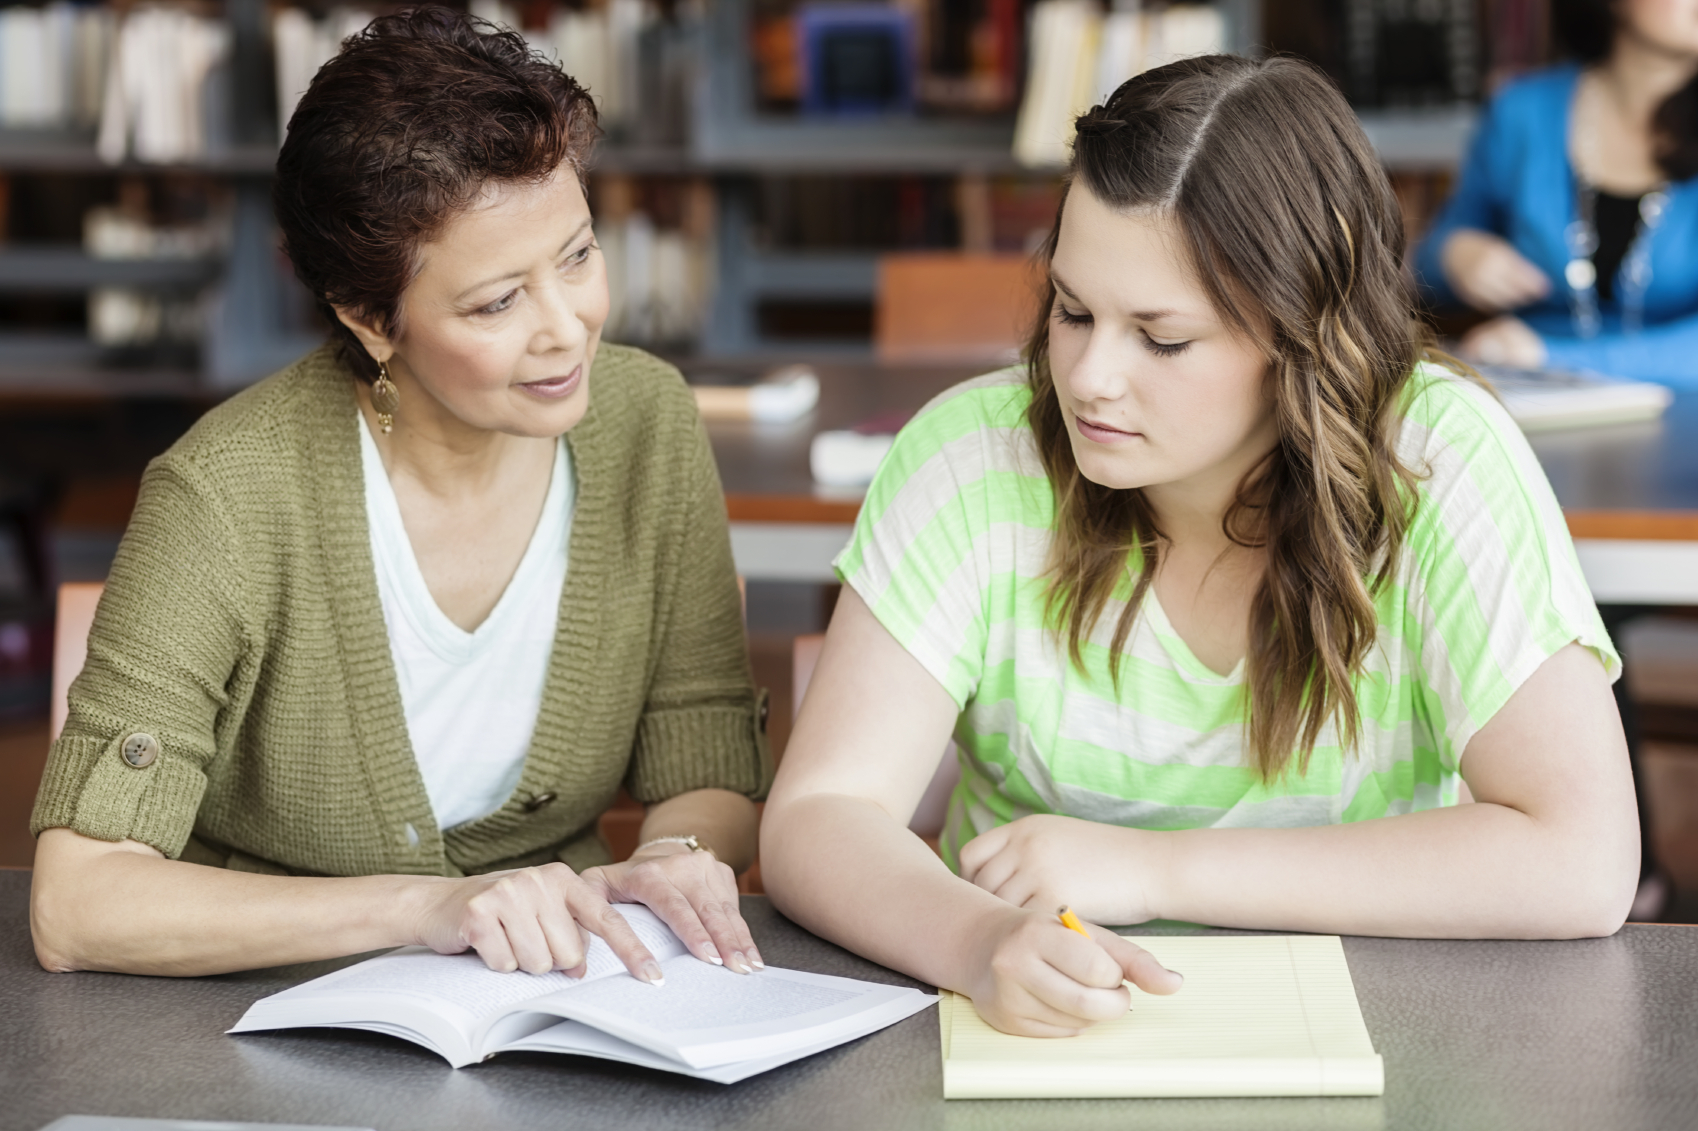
[(531, 919), (1034, 977), (1488, 273)]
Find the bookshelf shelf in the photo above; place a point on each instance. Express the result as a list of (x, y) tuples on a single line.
[(1420, 139), (54, 364), (725, 139), (780, 146), (70, 270), (818, 275), (43, 151)]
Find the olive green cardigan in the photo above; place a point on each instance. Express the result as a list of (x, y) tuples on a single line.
[(241, 629)]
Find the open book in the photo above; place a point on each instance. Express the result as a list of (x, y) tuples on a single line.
[(1268, 1015), (705, 1021)]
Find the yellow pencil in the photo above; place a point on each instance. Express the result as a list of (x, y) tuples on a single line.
[(1071, 921)]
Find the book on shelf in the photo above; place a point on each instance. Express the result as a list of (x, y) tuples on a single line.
[(301, 45), (156, 105), (858, 59), (1266, 1015), (1518, 39), (1079, 56), (973, 52), (1402, 54), (656, 240), (705, 1021), (53, 65), (632, 56), (1543, 400), (949, 56)]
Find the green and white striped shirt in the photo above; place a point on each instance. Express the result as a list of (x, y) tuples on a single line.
[(949, 554)]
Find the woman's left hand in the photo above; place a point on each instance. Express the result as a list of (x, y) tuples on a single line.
[(1505, 341), (693, 893), (1103, 872)]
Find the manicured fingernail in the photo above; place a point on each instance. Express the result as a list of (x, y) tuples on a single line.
[(755, 957), (740, 963), (652, 975), (711, 954)]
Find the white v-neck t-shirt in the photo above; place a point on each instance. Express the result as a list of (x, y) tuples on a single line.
[(471, 698)]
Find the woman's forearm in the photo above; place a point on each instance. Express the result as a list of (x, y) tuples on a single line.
[(724, 821), (125, 908), (1467, 871), (845, 869)]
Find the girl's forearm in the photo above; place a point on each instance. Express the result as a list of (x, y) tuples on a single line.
[(139, 913), (845, 869), (1467, 871)]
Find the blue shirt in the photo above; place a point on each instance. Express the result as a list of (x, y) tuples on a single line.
[(1517, 182)]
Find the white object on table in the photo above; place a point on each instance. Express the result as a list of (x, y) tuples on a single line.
[(781, 396), (847, 459)]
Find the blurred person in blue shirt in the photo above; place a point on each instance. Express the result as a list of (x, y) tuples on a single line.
[(1575, 217)]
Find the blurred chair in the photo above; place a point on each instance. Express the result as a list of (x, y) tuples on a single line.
[(77, 602), (953, 308), (25, 512), (928, 817)]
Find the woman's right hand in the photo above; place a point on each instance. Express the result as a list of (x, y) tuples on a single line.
[(1488, 273), (531, 919), (1034, 977)]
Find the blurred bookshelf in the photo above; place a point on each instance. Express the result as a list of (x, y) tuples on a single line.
[(742, 211)]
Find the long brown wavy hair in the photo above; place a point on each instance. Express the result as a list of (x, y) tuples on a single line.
[(1292, 228)]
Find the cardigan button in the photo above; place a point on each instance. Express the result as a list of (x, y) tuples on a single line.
[(766, 709), (539, 801), (139, 750)]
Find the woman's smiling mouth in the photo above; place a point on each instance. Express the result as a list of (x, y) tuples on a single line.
[(556, 388)]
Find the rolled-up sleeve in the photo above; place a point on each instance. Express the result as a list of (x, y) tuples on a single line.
[(131, 763), (703, 724)]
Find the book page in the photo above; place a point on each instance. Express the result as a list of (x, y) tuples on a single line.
[(576, 1038), (707, 1016), (1258, 1015), (458, 989)]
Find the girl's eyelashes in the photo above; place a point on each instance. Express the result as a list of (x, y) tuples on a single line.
[(1068, 318), (1164, 349), (501, 304), (1160, 349)]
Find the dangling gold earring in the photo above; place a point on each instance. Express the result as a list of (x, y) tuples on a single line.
[(385, 398)]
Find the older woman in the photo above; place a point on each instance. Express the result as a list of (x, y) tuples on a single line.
[(389, 631)]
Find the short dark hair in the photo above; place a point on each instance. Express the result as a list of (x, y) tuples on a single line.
[(1586, 29), (397, 135)]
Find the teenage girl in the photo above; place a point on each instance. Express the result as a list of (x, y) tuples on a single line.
[(1223, 595)]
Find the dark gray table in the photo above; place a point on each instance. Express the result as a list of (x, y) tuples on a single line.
[(1489, 1035)]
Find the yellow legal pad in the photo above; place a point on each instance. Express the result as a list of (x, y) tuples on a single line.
[(1270, 1015)]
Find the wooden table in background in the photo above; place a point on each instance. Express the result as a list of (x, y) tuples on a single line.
[(1630, 492)]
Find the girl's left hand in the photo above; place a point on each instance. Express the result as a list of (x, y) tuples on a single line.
[(1103, 872), (693, 893), (1505, 341)]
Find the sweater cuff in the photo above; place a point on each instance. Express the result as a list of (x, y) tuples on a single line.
[(684, 749), (90, 789)]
